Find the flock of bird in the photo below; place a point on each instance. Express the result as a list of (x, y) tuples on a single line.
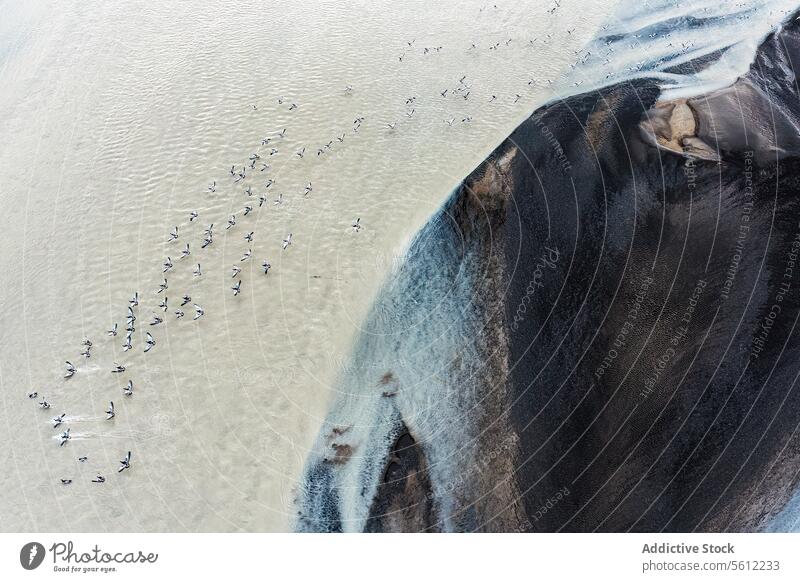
[(257, 164)]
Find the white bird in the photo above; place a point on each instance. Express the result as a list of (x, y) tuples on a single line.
[(237, 288), (163, 304), (64, 438), (179, 313), (58, 420), (134, 301), (125, 463), (198, 311), (246, 255), (287, 241), (173, 235), (128, 389), (167, 265), (213, 187), (192, 215), (110, 412), (231, 221), (44, 404), (70, 370), (197, 271), (266, 266), (357, 225), (150, 341), (235, 270), (113, 331), (185, 252), (163, 287)]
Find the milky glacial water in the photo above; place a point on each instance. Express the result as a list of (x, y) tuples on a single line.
[(115, 118)]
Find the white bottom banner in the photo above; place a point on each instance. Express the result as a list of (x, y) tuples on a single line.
[(391, 557)]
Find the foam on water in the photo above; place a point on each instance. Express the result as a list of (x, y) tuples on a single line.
[(690, 47)]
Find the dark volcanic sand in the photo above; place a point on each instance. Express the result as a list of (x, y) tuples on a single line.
[(636, 309)]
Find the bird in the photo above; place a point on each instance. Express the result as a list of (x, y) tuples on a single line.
[(134, 301), (113, 331), (192, 215), (118, 368), (308, 189), (357, 225), (391, 125), (99, 479), (66, 481), (58, 420), (248, 209), (173, 235), (110, 412), (70, 370), (125, 463), (33, 395), (185, 252), (213, 187), (150, 341), (278, 200), (167, 265), (162, 287), (86, 353), (82, 459), (231, 221), (197, 271), (156, 320), (128, 391), (246, 255), (163, 304), (198, 311), (249, 236), (44, 404), (237, 288), (266, 266), (287, 241), (185, 299), (64, 438), (301, 152), (235, 270), (179, 313)]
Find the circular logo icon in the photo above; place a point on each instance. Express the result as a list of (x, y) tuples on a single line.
[(31, 555)]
